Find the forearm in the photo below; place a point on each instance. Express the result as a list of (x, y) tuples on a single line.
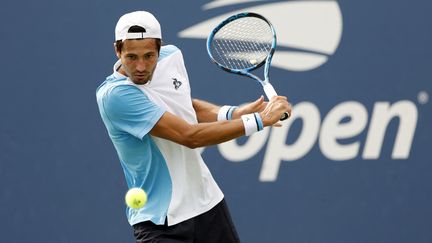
[(206, 134), (202, 134), (205, 111), (177, 130), (208, 112), (210, 132)]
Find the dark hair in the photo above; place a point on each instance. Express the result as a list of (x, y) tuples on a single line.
[(136, 29)]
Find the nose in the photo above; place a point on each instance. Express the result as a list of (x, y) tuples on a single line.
[(141, 66)]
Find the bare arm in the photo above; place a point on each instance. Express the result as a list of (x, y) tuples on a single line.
[(205, 111), (208, 112), (175, 129)]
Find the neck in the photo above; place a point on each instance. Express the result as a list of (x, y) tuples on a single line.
[(120, 70)]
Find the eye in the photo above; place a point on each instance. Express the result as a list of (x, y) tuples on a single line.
[(131, 57), (149, 55)]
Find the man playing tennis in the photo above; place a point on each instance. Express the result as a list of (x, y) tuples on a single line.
[(155, 126)]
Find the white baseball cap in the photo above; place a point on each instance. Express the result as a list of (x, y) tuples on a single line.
[(142, 19)]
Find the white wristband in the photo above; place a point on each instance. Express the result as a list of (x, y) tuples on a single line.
[(225, 112), (252, 123), (222, 114)]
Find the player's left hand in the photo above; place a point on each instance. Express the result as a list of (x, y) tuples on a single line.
[(255, 106)]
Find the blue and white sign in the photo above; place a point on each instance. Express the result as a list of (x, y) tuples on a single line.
[(351, 164)]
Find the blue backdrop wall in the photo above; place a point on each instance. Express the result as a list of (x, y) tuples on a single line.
[(351, 165)]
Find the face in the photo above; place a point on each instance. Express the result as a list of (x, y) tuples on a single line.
[(139, 59)]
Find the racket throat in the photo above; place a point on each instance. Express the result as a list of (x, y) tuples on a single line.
[(268, 89)]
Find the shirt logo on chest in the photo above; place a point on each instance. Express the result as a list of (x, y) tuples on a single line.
[(176, 83)]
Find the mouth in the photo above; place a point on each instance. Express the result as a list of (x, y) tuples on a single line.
[(140, 78)]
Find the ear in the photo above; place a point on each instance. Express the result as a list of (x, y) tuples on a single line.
[(116, 51)]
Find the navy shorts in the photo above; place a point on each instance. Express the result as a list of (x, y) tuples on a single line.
[(213, 226)]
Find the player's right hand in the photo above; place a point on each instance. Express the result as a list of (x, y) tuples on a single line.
[(274, 110)]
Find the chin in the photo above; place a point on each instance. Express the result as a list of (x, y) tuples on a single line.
[(140, 81)]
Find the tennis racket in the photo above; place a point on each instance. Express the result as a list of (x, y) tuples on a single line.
[(243, 43)]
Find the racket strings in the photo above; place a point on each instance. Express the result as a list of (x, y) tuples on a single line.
[(242, 43)]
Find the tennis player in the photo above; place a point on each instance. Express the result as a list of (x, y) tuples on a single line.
[(155, 125)]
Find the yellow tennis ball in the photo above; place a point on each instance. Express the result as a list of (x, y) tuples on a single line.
[(253, 61), (136, 198)]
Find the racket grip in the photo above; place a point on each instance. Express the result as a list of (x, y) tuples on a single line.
[(270, 92)]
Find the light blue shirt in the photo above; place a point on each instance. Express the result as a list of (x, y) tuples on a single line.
[(129, 116), (176, 179)]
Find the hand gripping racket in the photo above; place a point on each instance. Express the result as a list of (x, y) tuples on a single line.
[(243, 43)]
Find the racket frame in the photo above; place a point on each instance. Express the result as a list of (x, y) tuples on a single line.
[(268, 88)]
